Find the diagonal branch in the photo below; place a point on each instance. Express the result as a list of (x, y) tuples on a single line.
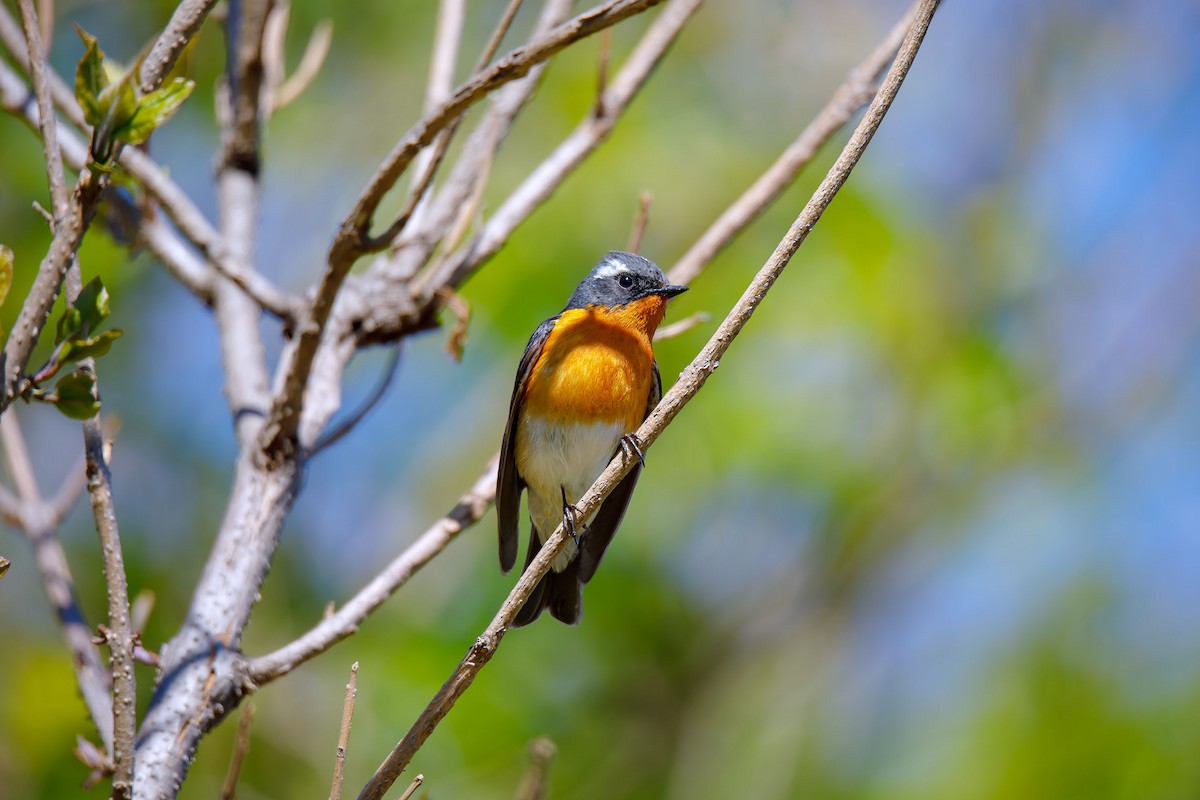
[(160, 239), (183, 25), (278, 442), (690, 382), (80, 211), (857, 90), (550, 174), (343, 623)]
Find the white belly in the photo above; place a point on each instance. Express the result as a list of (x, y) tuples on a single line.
[(557, 456)]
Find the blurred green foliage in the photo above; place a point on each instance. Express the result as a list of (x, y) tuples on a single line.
[(883, 552)]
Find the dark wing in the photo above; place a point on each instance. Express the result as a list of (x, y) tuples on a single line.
[(508, 483), (602, 529)]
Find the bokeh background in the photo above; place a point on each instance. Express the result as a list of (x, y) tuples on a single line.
[(932, 530)]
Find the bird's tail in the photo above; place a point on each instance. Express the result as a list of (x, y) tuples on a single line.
[(561, 592)]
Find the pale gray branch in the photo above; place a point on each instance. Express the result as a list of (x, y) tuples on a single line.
[(37, 522), (344, 622), (47, 122), (550, 174)]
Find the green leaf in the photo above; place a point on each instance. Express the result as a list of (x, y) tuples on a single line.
[(154, 109), (78, 349), (74, 395), (4, 565), (85, 314), (90, 78), (6, 269)]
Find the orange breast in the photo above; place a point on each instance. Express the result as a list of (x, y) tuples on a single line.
[(596, 365)]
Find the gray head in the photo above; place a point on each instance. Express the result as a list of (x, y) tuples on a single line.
[(621, 278)]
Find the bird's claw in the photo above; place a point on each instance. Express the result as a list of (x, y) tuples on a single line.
[(632, 446)]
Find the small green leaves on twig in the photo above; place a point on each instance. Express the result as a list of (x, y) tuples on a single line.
[(114, 105), (74, 395), (76, 338)]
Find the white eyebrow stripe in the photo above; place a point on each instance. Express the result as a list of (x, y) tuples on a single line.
[(612, 268)]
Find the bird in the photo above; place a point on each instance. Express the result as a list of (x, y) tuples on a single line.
[(586, 381)]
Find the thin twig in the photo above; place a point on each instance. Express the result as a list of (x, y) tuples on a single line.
[(344, 622), (509, 68), (377, 393), (493, 43), (412, 787), (240, 747), (309, 67), (533, 783), (854, 93), (640, 222), (47, 122), (73, 485), (689, 383), (34, 522), (159, 238), (339, 760), (587, 136), (682, 326), (118, 633), (278, 442), (472, 171)]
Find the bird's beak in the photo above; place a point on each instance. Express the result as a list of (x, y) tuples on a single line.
[(670, 291)]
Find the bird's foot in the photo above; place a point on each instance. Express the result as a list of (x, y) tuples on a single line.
[(632, 446), (570, 517)]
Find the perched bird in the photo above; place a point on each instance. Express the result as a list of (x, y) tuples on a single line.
[(587, 380)]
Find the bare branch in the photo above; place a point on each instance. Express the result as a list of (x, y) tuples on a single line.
[(240, 748), (381, 387), (35, 522), (159, 237), (339, 761), (852, 95), (73, 485), (640, 222), (497, 37), (118, 634), (513, 66), (533, 784), (682, 326), (242, 351), (470, 175), (13, 39), (46, 119), (309, 67), (412, 788), (550, 174), (184, 24), (331, 630), (690, 382), (446, 41)]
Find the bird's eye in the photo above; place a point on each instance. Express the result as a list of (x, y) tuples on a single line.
[(626, 281)]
